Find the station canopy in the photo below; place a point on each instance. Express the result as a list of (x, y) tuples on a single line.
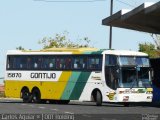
[(145, 17)]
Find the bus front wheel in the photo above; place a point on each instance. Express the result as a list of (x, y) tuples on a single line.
[(98, 98)]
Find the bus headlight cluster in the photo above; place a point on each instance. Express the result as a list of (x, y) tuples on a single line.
[(149, 92)]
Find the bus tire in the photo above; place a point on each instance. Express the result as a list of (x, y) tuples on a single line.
[(98, 98), (36, 95), (25, 95)]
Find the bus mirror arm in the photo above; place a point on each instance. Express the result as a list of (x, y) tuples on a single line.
[(151, 73)]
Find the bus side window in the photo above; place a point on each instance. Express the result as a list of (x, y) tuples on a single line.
[(30, 62), (68, 63), (35, 65), (9, 64), (37, 62), (76, 63), (79, 62), (83, 62), (57, 63), (51, 63), (94, 63), (60, 63), (18, 62), (110, 71), (75, 66), (111, 60), (23, 63)]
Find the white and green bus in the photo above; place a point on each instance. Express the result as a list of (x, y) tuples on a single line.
[(84, 74)]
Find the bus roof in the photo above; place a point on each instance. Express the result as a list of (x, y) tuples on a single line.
[(70, 50), (58, 51), (77, 51), (124, 52)]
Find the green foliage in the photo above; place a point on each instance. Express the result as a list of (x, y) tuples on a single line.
[(150, 49), (20, 48), (62, 40), (156, 39)]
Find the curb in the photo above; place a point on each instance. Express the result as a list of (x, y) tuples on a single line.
[(10, 99)]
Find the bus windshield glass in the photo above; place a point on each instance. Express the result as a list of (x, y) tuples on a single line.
[(134, 71), (134, 77), (135, 61)]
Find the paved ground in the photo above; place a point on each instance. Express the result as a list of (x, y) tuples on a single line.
[(80, 110)]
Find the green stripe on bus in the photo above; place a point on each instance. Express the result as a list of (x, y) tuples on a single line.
[(80, 84), (87, 53), (97, 52), (70, 85), (77, 83)]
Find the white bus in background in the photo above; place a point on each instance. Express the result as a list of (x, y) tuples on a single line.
[(84, 74)]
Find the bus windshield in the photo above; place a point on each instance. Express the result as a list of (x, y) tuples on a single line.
[(134, 77), (127, 71), (134, 71)]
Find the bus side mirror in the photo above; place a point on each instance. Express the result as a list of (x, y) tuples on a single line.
[(152, 73)]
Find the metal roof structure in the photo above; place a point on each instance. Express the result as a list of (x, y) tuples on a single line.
[(145, 17)]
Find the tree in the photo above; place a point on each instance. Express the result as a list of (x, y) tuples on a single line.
[(156, 39), (20, 48), (62, 40), (150, 49)]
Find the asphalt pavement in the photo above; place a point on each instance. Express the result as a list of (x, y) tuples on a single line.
[(12, 108)]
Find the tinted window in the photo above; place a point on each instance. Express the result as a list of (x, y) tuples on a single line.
[(110, 60), (94, 62), (48, 62), (79, 62), (63, 62), (54, 62)]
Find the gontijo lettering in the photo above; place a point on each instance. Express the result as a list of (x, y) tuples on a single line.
[(43, 75)]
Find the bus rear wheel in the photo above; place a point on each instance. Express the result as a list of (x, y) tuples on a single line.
[(36, 96), (26, 95), (98, 98)]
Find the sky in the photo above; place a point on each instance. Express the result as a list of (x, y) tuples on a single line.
[(25, 22)]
